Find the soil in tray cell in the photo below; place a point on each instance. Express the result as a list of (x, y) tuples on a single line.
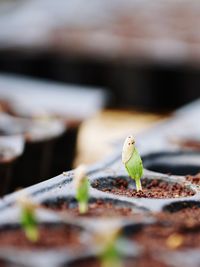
[(96, 208), (181, 213), (50, 237), (158, 237), (195, 179), (140, 262), (151, 188)]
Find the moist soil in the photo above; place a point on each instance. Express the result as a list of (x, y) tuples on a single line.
[(4, 264), (150, 189), (140, 262), (99, 208), (187, 217), (167, 237), (195, 179), (49, 237)]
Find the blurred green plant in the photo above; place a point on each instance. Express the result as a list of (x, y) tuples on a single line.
[(110, 255), (28, 218), (82, 188), (132, 161)]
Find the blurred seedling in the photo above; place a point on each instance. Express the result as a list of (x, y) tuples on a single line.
[(81, 185), (132, 161), (108, 240), (28, 218)]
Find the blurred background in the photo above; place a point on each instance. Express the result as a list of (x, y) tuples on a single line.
[(96, 69)]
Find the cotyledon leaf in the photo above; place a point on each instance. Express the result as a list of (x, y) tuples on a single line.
[(132, 161), (82, 188)]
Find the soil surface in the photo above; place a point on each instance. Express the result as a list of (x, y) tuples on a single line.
[(187, 217), (140, 262), (195, 179), (98, 208), (167, 237), (150, 189), (192, 144), (3, 264), (49, 237)]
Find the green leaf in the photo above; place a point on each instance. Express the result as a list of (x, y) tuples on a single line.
[(110, 256), (29, 224), (82, 195), (134, 168)]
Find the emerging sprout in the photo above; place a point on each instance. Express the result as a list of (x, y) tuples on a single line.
[(110, 255), (174, 241), (132, 161), (28, 219), (81, 184)]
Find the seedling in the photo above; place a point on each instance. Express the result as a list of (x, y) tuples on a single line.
[(28, 218), (81, 184), (110, 255), (132, 161), (174, 241)]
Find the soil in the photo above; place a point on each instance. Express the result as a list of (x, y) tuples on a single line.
[(49, 237), (3, 264), (98, 208), (150, 189), (191, 144), (195, 179), (187, 217), (167, 237), (140, 262)]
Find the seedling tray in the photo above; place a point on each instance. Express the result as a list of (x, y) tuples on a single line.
[(161, 225)]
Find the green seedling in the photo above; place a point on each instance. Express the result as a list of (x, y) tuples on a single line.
[(132, 161), (82, 188), (28, 218), (110, 255)]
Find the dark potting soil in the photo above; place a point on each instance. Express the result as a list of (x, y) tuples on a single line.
[(3, 264), (162, 237), (49, 237), (99, 208), (195, 179), (187, 217), (150, 189), (140, 262)]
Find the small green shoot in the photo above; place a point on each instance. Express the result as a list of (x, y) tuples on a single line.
[(110, 255), (28, 219), (132, 161), (82, 188)]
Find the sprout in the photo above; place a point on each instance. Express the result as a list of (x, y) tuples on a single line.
[(132, 161), (174, 241), (81, 184), (110, 255), (28, 219)]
